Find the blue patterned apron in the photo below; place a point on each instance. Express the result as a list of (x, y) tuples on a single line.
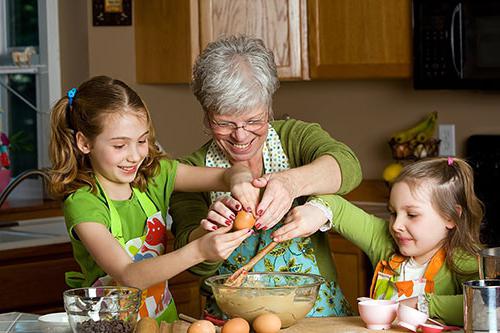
[(296, 255)]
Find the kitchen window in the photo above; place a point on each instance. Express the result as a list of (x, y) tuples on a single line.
[(27, 90)]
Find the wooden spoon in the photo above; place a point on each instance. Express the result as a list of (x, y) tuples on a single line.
[(238, 277)]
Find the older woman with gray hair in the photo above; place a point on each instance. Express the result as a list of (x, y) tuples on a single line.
[(234, 79)]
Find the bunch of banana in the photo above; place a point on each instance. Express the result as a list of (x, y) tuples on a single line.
[(421, 132)]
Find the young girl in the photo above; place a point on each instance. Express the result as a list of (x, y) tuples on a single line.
[(116, 187), (428, 248)]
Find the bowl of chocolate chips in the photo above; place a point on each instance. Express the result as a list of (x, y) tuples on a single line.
[(102, 309)]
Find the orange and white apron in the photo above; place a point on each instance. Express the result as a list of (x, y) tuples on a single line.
[(157, 301), (385, 284)]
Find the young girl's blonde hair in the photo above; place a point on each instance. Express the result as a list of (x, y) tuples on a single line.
[(87, 113), (451, 185)]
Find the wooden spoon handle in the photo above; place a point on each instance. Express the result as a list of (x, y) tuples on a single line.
[(248, 267)]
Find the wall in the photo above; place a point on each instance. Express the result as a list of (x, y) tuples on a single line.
[(363, 114)]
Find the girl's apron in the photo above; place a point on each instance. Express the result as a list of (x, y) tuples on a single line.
[(157, 300), (385, 284), (296, 255)]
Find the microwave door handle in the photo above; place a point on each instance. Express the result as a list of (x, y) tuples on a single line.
[(456, 11)]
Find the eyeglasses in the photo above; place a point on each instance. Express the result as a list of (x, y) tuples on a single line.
[(227, 127)]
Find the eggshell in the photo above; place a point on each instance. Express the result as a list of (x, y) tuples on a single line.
[(201, 326), (236, 325), (267, 323), (243, 220)]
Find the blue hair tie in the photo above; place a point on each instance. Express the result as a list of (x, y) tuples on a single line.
[(71, 95)]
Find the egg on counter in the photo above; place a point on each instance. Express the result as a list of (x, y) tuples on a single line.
[(201, 326), (236, 325), (243, 220), (267, 323)]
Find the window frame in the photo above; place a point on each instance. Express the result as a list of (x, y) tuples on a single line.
[(47, 72)]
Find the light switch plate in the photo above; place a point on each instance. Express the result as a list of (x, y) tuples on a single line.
[(447, 137)]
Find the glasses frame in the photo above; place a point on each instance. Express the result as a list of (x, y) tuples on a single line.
[(228, 127)]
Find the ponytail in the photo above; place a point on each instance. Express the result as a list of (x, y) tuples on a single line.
[(65, 156)]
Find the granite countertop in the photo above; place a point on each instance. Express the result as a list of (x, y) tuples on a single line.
[(19, 322)]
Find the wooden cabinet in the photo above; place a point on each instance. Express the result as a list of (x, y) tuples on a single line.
[(282, 25), (359, 39), (353, 268), (311, 39), (170, 34)]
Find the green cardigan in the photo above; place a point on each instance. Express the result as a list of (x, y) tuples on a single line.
[(302, 143), (372, 235)]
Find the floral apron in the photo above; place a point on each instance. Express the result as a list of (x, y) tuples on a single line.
[(157, 301), (385, 284), (296, 255)]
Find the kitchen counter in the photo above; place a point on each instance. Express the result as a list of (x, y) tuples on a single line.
[(28, 323)]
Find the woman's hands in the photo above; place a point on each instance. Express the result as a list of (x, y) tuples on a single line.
[(280, 191)]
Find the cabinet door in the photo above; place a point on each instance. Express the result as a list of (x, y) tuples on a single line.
[(280, 23), (359, 38), (353, 268), (166, 40)]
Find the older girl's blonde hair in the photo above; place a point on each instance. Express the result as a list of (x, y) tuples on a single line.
[(94, 101), (451, 184)]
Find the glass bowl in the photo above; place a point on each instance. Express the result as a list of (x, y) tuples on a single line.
[(102, 309), (288, 295)]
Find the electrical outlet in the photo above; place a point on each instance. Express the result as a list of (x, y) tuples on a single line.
[(447, 137)]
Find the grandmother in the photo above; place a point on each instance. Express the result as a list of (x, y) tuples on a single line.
[(234, 80)]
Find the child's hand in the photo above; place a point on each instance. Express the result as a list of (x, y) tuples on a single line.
[(301, 221), (219, 245), (221, 214), (242, 188)]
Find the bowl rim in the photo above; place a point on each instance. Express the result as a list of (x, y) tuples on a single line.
[(49, 318), (209, 281), (72, 292), (379, 302)]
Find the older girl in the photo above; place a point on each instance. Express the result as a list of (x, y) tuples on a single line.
[(116, 187)]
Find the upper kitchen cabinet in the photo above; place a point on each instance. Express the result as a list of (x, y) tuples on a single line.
[(359, 39), (170, 34)]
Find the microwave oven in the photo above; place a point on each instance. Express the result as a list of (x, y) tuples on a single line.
[(456, 44)]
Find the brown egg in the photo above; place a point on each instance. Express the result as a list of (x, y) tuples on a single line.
[(267, 323), (236, 325), (243, 220), (201, 326)]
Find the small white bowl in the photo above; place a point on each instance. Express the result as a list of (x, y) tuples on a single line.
[(55, 323), (410, 318)]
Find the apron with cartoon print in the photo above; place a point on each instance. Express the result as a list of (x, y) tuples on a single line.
[(385, 284), (296, 255), (157, 300)]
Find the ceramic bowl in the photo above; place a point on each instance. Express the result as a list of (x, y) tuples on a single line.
[(410, 318), (430, 328), (378, 314), (288, 295), (55, 323), (102, 309)]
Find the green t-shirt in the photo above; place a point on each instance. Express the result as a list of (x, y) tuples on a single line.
[(84, 206)]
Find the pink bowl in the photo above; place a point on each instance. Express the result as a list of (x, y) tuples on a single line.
[(429, 328), (410, 318), (378, 314)]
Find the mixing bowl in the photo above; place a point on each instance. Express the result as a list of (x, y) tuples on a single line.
[(378, 314), (102, 309), (288, 295)]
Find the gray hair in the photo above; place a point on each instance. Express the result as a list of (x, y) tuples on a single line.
[(235, 74)]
